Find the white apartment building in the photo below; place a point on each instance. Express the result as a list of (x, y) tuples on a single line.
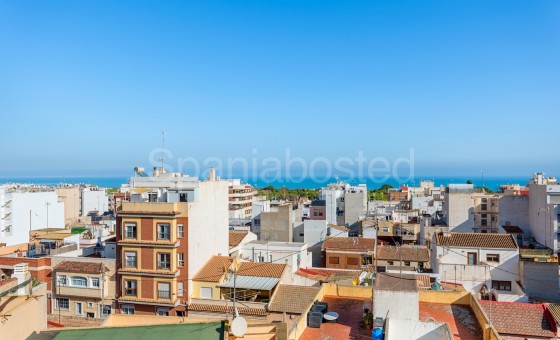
[(294, 254), (477, 259), (93, 199), (26, 208), (458, 207), (259, 206), (345, 204), (544, 210), (241, 197)]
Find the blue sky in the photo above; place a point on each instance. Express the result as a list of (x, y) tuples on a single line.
[(86, 86)]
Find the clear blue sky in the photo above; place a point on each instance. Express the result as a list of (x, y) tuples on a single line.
[(86, 86)]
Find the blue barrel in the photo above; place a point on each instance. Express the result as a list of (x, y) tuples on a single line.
[(377, 334)]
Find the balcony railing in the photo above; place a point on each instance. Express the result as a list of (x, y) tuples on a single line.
[(130, 292), (164, 265)]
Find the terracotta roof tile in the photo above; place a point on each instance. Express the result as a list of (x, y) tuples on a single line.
[(235, 237), (554, 309), (338, 227), (293, 299), (263, 269), (476, 240), (81, 267), (214, 269), (349, 243), (404, 253), (323, 274), (516, 318)]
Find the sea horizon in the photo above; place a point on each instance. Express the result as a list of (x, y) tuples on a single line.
[(492, 183)]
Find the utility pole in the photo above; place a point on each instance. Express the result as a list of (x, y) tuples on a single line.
[(48, 204)]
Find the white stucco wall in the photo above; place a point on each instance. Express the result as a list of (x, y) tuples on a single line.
[(402, 305)]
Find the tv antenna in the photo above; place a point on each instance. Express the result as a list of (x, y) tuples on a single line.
[(162, 147)]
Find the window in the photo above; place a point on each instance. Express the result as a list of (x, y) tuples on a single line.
[(162, 311), (501, 285), (90, 304), (390, 263), (492, 257), (127, 309), (95, 282), (352, 261), (484, 207), (205, 292), (164, 261), (407, 263), (385, 229), (163, 231), (484, 222), (78, 281), (164, 290), (62, 280), (472, 258), (105, 310), (180, 288), (301, 234), (334, 260), (367, 260), (62, 303), (130, 288), (78, 308), (180, 230), (180, 259), (130, 230), (180, 313), (130, 259)]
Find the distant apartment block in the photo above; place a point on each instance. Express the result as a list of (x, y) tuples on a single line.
[(241, 198)]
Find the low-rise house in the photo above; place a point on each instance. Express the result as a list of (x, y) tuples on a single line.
[(483, 263), (514, 320), (290, 301), (255, 283), (349, 252), (83, 289), (237, 238), (294, 254), (406, 257)]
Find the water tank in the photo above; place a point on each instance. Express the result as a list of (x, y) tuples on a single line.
[(377, 334)]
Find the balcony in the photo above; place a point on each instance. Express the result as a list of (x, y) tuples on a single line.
[(93, 293)]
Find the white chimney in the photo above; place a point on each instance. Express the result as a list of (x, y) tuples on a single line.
[(21, 273)]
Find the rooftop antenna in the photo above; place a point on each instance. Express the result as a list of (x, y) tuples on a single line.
[(162, 147)]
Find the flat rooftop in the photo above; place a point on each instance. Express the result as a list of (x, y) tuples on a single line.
[(461, 319), (396, 282)]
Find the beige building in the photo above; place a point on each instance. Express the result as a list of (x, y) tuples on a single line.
[(486, 213), (70, 196), (83, 287), (277, 224)]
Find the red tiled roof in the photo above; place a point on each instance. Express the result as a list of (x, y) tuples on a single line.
[(215, 268), (404, 253), (512, 229), (523, 319), (476, 240), (235, 237), (81, 267), (263, 269), (349, 243), (293, 299)]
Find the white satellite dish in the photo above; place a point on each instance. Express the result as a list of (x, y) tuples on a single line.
[(239, 326)]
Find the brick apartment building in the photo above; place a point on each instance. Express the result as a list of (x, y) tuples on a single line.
[(152, 251)]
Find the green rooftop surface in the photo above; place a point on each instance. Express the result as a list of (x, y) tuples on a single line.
[(203, 331)]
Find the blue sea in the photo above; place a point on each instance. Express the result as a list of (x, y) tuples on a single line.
[(492, 183)]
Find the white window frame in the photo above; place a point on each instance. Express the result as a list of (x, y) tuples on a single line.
[(79, 278), (90, 304), (57, 303), (131, 253), (180, 259), (180, 230), (126, 225), (128, 308), (207, 289), (76, 304), (180, 288), (161, 262), (62, 280), (95, 279), (166, 285), (162, 235)]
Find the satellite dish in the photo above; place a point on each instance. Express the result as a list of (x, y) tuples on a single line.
[(239, 327)]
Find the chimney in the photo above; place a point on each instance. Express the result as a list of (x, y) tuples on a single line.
[(21, 273), (212, 174)]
